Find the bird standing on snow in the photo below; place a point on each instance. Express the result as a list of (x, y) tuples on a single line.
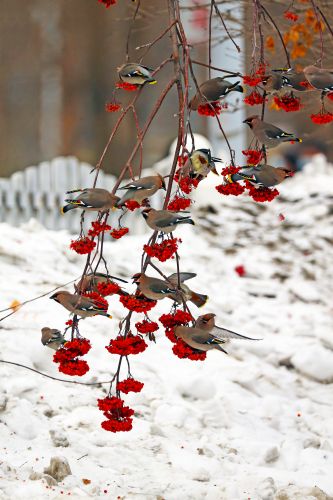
[(81, 306), (205, 336), (262, 174), (199, 164), (268, 134), (213, 90), (164, 220), (319, 78), (141, 189), (91, 199), (136, 74), (52, 338)]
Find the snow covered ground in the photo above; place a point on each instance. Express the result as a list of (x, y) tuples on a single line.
[(257, 424)]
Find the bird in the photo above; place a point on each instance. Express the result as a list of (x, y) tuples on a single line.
[(155, 288), (213, 90), (261, 174), (197, 299), (273, 82), (165, 220), (141, 189), (81, 306), (91, 199), (89, 282), (205, 335), (294, 79), (319, 78), (136, 74), (199, 164), (268, 134), (53, 338)]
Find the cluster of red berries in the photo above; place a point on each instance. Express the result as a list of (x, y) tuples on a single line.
[(253, 156), (288, 102), (162, 251), (112, 107), (82, 245), (230, 170), (119, 233), (261, 194), (98, 228), (132, 205), (118, 416), (291, 16), (146, 326), (108, 288), (179, 203), (67, 357), (254, 98), (124, 346), (231, 188), (99, 301), (137, 303), (210, 109), (126, 86), (129, 385), (322, 117)]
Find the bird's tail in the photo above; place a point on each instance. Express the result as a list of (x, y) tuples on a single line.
[(67, 208), (151, 81), (198, 299), (186, 220), (219, 348)]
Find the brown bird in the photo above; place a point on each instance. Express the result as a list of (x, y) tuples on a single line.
[(199, 164), (213, 90), (91, 199), (164, 220), (262, 174), (205, 335), (90, 281), (141, 189), (273, 82), (319, 78), (269, 134), (136, 74), (52, 338), (197, 299), (294, 79), (81, 306), (155, 288)]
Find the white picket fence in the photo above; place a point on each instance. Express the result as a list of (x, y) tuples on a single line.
[(39, 192)]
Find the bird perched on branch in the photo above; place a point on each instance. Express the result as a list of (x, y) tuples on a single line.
[(268, 134), (197, 299), (90, 282), (199, 164), (165, 220), (136, 74), (155, 288), (141, 189), (205, 335), (213, 90), (52, 338), (261, 174), (292, 78), (91, 199), (273, 82), (319, 78), (81, 306)]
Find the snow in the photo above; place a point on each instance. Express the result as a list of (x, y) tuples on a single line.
[(257, 424)]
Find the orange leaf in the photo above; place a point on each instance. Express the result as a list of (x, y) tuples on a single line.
[(15, 305)]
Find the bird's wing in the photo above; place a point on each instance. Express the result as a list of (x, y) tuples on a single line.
[(223, 333), (161, 287), (201, 339), (275, 132), (182, 276), (88, 304), (139, 184)]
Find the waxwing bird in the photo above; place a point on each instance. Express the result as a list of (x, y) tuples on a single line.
[(199, 164), (136, 74), (261, 174), (141, 189), (91, 199), (319, 78), (213, 90), (52, 338), (155, 288), (164, 220), (268, 134), (90, 282), (81, 306), (294, 79), (197, 299), (205, 335), (273, 82)]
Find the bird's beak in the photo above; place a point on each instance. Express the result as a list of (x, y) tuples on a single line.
[(246, 121)]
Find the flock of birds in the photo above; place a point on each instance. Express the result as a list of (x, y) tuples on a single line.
[(204, 335)]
